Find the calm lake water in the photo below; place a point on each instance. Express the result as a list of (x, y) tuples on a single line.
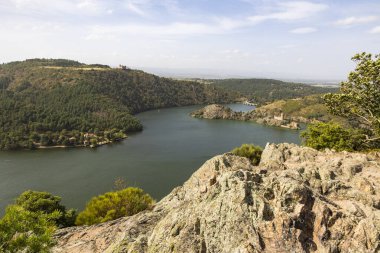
[(172, 146)]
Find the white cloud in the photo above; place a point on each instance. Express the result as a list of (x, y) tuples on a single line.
[(37, 8), (217, 26), (228, 23), (291, 11), (231, 51), (53, 8), (287, 46), (303, 30), (190, 34), (170, 5), (92, 6), (234, 53), (173, 29), (356, 20), (295, 10), (374, 30), (137, 6), (299, 10), (145, 7)]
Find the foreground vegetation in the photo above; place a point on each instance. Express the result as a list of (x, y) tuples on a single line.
[(333, 136), (25, 231), (67, 103), (359, 103), (29, 224), (34, 201), (113, 205), (250, 151)]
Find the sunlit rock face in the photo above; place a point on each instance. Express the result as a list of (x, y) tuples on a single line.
[(259, 115), (297, 200)]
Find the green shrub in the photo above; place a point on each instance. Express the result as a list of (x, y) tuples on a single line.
[(47, 203), (332, 136), (25, 231), (250, 151), (113, 205)]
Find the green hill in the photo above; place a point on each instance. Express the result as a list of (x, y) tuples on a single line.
[(306, 109), (268, 90), (45, 102)]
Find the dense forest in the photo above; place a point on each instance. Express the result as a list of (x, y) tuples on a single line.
[(45, 102), (262, 91)]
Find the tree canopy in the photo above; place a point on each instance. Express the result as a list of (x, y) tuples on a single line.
[(47, 203), (29, 224), (359, 97), (359, 103), (113, 205), (25, 231), (268, 90), (47, 102), (333, 136)]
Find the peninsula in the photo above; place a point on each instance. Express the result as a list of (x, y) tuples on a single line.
[(216, 111)]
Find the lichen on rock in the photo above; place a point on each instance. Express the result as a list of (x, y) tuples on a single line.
[(297, 200)]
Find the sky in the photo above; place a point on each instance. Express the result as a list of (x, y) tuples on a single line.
[(219, 38)]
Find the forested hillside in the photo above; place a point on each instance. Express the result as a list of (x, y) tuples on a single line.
[(268, 90), (61, 102), (309, 108)]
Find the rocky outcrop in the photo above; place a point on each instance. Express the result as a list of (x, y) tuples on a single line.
[(297, 200), (284, 123), (274, 118), (216, 111), (260, 116)]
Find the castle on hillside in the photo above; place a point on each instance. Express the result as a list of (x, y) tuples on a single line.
[(281, 117), (123, 67)]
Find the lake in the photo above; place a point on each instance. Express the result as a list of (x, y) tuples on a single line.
[(172, 146)]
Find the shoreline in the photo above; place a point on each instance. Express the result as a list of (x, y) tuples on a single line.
[(217, 111), (81, 146), (55, 147)]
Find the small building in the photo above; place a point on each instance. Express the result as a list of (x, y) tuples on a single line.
[(249, 102), (88, 135), (281, 117)]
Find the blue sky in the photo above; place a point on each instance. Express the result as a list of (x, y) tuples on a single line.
[(250, 38)]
